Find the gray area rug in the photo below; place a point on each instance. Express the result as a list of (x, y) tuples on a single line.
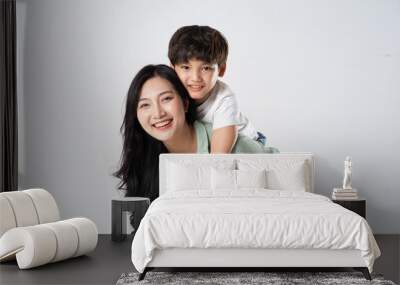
[(270, 278)]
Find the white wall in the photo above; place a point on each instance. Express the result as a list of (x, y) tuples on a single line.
[(319, 76)]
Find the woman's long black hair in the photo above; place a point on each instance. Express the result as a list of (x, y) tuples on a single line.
[(140, 153)]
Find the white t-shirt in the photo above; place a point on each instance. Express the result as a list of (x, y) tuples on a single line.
[(221, 110)]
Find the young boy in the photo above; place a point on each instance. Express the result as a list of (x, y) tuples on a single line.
[(198, 54)]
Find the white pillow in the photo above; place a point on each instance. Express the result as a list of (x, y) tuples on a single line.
[(251, 178), (223, 179), (282, 174), (189, 175), (228, 179)]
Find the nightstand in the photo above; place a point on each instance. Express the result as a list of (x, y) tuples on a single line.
[(358, 206), (137, 205)]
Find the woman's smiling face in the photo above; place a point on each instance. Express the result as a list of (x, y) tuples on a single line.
[(160, 110)]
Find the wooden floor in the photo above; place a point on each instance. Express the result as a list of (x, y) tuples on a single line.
[(111, 259)]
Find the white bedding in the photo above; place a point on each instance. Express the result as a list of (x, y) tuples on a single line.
[(251, 218)]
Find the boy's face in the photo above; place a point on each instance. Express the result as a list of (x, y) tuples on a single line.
[(199, 77)]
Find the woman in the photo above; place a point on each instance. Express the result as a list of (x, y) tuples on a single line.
[(160, 118)]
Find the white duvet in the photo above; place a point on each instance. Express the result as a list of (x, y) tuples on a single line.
[(250, 219)]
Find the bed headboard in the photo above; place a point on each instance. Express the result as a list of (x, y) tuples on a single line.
[(270, 159)]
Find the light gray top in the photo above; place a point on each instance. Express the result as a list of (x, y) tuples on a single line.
[(243, 144)]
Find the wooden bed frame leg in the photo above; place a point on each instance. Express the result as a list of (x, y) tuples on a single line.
[(143, 274), (364, 271)]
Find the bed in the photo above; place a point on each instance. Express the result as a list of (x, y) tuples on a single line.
[(246, 211)]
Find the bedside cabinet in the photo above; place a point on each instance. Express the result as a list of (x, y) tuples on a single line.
[(358, 206), (137, 205)]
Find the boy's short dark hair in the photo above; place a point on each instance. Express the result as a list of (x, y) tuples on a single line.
[(198, 42)]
